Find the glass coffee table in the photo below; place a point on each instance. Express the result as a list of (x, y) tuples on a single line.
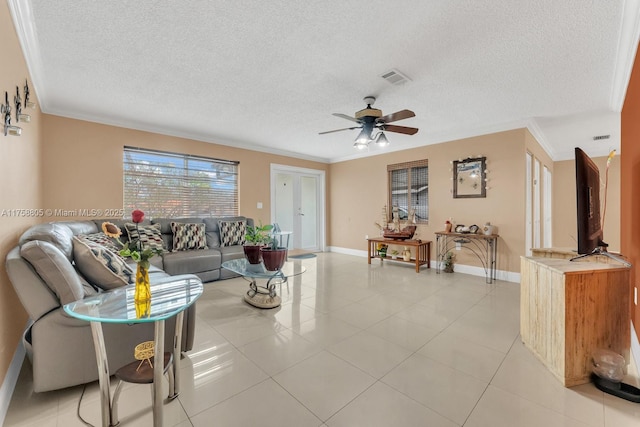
[(263, 296), (169, 298)]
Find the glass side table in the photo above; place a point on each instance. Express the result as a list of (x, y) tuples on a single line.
[(168, 298), (263, 296)]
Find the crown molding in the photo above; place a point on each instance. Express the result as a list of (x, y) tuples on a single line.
[(626, 53), (22, 16), (212, 139), (538, 134)]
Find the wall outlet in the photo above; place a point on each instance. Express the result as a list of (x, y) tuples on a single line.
[(259, 205), (366, 237)]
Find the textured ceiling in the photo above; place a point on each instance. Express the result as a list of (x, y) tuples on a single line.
[(268, 75)]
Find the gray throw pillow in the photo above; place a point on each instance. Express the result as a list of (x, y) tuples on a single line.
[(100, 266)]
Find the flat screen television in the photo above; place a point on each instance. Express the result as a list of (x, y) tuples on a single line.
[(588, 203)]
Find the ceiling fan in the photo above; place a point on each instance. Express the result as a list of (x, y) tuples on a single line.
[(372, 118)]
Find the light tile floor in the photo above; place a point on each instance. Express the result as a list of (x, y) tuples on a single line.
[(352, 345)]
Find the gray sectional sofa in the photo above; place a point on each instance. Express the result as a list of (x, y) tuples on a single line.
[(45, 276)]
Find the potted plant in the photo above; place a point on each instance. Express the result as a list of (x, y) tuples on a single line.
[(382, 250), (394, 254), (255, 237), (448, 262), (273, 255)]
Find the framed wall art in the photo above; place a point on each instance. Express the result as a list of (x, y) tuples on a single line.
[(469, 178)]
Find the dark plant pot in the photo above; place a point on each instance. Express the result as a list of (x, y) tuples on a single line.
[(274, 258), (252, 252)]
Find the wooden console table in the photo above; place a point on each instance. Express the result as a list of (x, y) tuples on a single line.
[(422, 248), (483, 246), (569, 309)]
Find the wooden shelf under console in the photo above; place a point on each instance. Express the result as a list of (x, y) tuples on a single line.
[(422, 250)]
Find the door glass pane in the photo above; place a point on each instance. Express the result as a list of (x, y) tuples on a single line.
[(528, 205), (309, 211), (547, 207), (284, 207), (536, 204)]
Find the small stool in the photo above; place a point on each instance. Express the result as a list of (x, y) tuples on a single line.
[(141, 372)]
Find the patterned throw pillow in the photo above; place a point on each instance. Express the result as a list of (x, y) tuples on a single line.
[(188, 236), (232, 232), (100, 266), (101, 239), (148, 235)]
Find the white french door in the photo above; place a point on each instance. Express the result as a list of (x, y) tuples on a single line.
[(297, 205)]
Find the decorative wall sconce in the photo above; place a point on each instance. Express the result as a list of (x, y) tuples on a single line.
[(5, 112), (20, 116), (28, 103)]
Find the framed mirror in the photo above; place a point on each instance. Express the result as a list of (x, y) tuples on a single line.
[(469, 178)]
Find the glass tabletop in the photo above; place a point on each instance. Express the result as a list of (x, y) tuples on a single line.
[(117, 305), (257, 271)]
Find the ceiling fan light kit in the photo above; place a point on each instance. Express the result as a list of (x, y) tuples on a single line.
[(371, 118)]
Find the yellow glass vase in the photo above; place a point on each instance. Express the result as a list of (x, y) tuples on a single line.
[(142, 295)]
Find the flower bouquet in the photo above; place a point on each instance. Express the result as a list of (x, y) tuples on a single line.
[(142, 295)]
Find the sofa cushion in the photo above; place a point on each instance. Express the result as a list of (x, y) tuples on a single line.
[(81, 227), (232, 232), (188, 236), (54, 269), (231, 252), (183, 262), (149, 236), (100, 266), (57, 234)]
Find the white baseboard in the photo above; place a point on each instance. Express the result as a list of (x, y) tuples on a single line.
[(347, 251), (10, 380), (635, 347), (508, 276)]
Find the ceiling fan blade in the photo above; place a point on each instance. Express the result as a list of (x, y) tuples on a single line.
[(344, 116), (398, 115), (400, 129), (339, 130)]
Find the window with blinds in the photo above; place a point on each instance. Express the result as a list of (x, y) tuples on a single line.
[(409, 189), (179, 185)]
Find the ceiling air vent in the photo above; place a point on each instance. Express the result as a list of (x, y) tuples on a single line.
[(601, 137), (395, 77)]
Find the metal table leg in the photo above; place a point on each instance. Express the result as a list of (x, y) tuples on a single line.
[(158, 372), (177, 350), (103, 373)]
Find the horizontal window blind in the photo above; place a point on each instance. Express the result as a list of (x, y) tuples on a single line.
[(166, 184), (409, 189)]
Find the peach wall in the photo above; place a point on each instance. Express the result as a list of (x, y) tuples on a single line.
[(83, 165), (20, 188), (630, 182), (359, 187), (564, 204)]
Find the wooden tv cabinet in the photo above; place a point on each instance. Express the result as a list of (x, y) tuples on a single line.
[(569, 309)]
